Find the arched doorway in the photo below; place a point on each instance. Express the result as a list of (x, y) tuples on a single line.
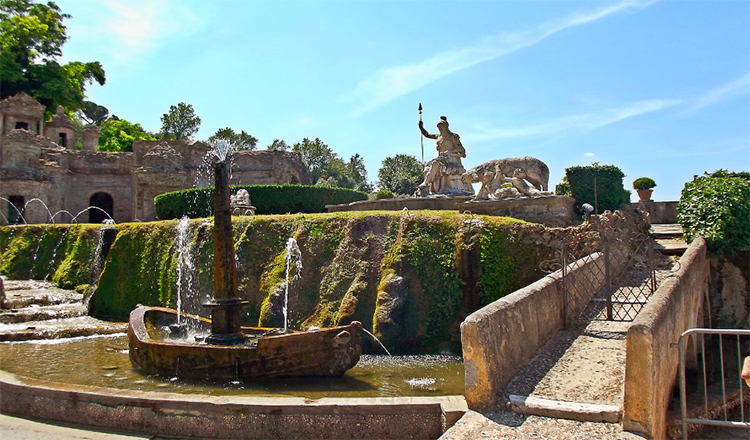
[(103, 201)]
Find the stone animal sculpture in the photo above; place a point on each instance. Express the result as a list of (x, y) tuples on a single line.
[(492, 174)]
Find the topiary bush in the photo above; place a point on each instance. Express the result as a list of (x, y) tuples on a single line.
[(268, 199), (644, 183), (384, 194), (716, 207), (610, 194)]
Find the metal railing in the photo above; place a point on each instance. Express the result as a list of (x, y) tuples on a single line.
[(720, 378)]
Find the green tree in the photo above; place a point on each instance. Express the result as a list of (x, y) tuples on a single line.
[(317, 156), (357, 173), (326, 168), (238, 141), (31, 38), (401, 174), (119, 134), (93, 113), (180, 123), (278, 145)]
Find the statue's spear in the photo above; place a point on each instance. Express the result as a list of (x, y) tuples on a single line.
[(421, 136)]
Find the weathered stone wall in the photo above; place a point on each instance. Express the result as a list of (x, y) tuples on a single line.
[(651, 363), (660, 212), (33, 166)]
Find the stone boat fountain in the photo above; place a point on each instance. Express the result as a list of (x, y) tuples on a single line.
[(158, 337)]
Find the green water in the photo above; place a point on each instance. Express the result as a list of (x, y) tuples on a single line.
[(103, 362)]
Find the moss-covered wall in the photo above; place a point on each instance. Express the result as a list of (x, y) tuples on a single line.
[(410, 278)]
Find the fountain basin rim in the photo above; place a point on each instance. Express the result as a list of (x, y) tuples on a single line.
[(126, 410)]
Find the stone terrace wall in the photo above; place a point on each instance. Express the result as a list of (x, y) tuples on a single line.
[(651, 364)]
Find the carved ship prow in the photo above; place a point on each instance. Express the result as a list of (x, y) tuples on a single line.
[(262, 353)]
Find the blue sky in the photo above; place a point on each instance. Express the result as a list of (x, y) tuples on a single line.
[(658, 88)]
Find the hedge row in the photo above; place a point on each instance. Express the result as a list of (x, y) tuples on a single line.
[(267, 199), (610, 193)]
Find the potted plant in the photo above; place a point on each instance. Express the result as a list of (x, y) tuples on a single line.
[(644, 186)]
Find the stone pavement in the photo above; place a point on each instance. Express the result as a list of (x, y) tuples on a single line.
[(15, 428)]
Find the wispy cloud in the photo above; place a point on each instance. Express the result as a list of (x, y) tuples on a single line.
[(583, 122), (588, 154), (128, 30), (730, 90), (393, 82)]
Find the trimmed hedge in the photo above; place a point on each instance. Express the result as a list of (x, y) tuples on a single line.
[(267, 199), (610, 192), (717, 207)]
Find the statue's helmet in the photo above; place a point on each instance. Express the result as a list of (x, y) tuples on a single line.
[(443, 122)]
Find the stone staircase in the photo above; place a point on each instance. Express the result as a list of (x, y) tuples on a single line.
[(669, 238), (31, 310)]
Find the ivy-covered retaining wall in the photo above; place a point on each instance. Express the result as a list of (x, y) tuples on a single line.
[(410, 278)]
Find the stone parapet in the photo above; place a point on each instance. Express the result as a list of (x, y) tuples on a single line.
[(502, 337), (549, 210), (398, 204), (651, 361)]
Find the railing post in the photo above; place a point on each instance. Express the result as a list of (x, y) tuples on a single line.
[(608, 279)]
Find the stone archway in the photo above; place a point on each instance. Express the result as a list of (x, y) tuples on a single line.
[(103, 201)]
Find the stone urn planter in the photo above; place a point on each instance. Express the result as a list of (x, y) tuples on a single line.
[(645, 187), (644, 194)]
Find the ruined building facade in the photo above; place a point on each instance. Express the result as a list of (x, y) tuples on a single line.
[(38, 160)]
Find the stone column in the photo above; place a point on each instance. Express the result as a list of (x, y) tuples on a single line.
[(226, 304)]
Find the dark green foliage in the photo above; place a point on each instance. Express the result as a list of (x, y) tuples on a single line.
[(268, 199), (384, 194), (644, 183), (94, 113), (717, 207), (610, 193)]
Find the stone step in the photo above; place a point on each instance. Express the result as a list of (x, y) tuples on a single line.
[(585, 412), (59, 328), (671, 246), (42, 313), (25, 293), (666, 230)]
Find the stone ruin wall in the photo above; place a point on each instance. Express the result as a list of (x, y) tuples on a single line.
[(34, 166)]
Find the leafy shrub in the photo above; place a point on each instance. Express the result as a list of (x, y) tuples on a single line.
[(384, 194), (644, 183), (607, 179), (268, 199), (563, 188), (716, 207)]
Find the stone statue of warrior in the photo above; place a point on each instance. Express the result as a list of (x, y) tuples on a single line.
[(442, 175)]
